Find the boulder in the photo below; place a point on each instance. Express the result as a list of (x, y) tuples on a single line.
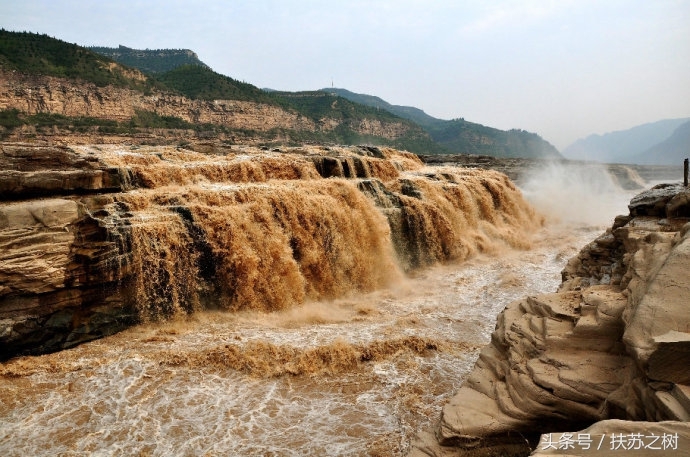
[(653, 202)]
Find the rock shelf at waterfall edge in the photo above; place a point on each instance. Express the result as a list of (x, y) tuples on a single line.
[(96, 238)]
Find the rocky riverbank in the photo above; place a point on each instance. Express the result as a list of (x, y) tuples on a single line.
[(610, 348)]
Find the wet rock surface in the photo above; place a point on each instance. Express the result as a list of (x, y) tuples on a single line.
[(661, 201), (34, 171), (60, 276), (96, 238), (612, 343)]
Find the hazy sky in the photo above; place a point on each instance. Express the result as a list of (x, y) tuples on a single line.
[(560, 68)]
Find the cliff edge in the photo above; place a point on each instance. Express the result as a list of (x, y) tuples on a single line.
[(96, 238), (610, 348)]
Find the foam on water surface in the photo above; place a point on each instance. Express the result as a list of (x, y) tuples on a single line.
[(330, 349), (164, 389)]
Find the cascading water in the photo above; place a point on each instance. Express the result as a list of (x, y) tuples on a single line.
[(275, 233), (292, 328)]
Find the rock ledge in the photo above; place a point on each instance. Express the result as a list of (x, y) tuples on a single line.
[(610, 348)]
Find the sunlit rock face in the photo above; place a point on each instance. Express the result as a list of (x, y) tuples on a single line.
[(96, 238), (612, 343), (39, 94)]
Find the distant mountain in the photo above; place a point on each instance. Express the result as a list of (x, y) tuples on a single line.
[(460, 136), (625, 146), (671, 151), (174, 90), (150, 61), (190, 100), (407, 112)]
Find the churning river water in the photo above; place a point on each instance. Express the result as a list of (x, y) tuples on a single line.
[(359, 375)]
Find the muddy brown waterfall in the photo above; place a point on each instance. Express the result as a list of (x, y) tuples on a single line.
[(233, 229)]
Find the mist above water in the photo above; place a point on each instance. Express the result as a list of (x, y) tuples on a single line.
[(580, 194)]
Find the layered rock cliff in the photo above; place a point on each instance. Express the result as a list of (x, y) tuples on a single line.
[(612, 343), (33, 94), (95, 238)]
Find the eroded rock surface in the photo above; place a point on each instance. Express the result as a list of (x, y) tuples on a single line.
[(32, 94), (34, 171), (612, 343), (94, 238), (614, 437)]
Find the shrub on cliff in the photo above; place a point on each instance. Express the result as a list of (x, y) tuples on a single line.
[(40, 54), (197, 82)]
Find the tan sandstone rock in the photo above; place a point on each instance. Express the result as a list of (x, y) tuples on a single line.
[(615, 438), (613, 343)]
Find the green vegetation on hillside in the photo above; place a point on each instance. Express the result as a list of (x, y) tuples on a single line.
[(40, 54), (342, 115), (413, 114), (462, 137), (11, 119), (146, 121), (202, 83), (459, 135), (198, 82), (150, 60), (320, 105)]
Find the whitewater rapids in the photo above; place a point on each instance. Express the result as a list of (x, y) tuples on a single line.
[(355, 375), (149, 390)]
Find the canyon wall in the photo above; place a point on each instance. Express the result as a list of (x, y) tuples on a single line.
[(612, 345), (46, 94), (96, 238), (34, 94)]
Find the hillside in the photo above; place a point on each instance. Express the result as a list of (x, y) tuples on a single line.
[(201, 83), (671, 151), (461, 136), (32, 53), (356, 123), (150, 60), (435, 136), (408, 112), (174, 90), (624, 146), (50, 88)]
